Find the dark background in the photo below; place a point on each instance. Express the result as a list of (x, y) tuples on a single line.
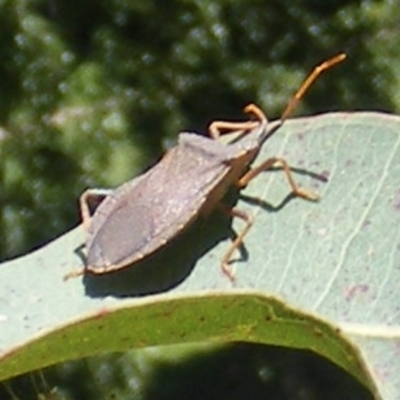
[(92, 93)]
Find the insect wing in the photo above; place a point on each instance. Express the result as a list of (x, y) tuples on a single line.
[(144, 214)]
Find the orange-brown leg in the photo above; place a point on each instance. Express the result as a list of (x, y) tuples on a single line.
[(86, 198), (268, 164), (234, 212), (215, 129), (84, 203), (73, 274)]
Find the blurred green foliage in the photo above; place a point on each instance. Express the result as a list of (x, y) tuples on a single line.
[(93, 92), (234, 371)]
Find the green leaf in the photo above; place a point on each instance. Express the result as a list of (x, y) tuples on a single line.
[(335, 261)]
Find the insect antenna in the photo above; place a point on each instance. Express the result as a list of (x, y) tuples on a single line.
[(294, 100)]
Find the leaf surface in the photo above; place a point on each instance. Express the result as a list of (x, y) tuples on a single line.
[(336, 261)]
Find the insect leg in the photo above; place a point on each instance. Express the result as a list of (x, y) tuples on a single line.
[(216, 127), (268, 164), (234, 212), (88, 201)]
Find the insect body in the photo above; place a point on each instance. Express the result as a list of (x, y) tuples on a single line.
[(142, 215)]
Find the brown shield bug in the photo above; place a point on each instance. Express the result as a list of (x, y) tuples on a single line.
[(139, 217)]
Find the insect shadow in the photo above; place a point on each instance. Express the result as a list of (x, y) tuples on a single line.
[(172, 264)]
